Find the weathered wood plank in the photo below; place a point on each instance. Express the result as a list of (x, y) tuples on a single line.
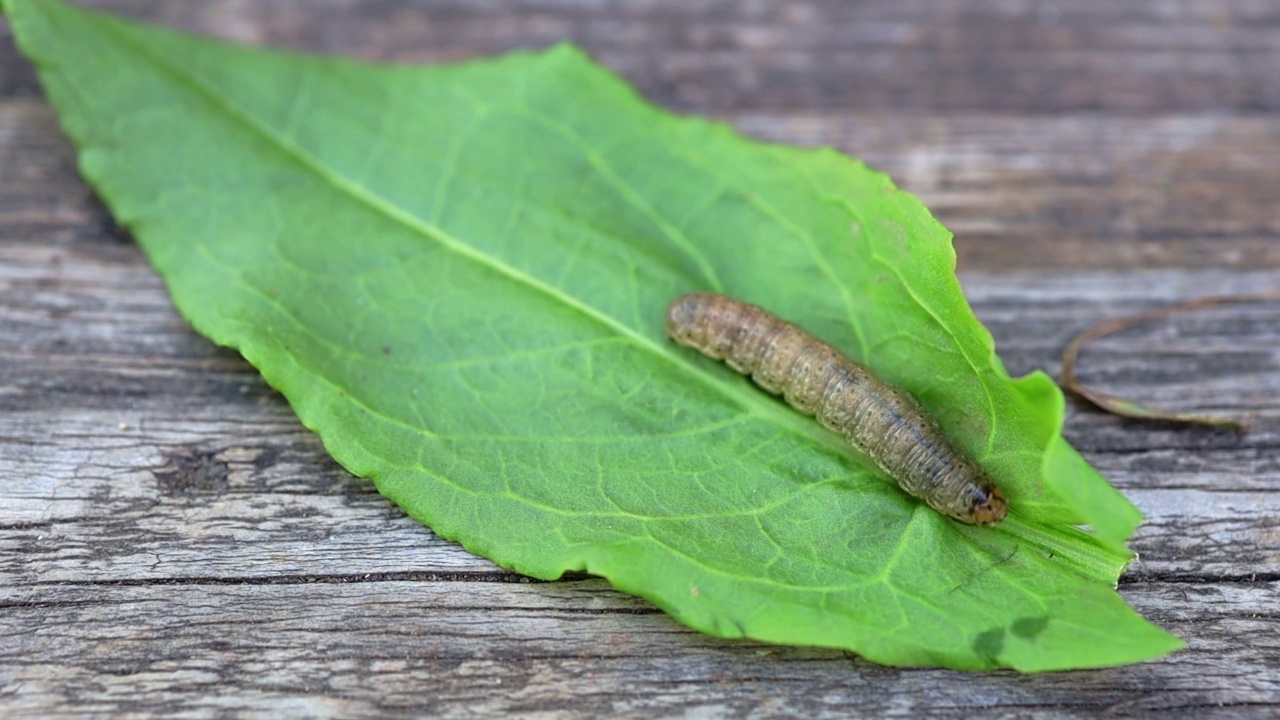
[(577, 649), (1024, 56), (1075, 191), (172, 542), (166, 503), (1019, 193)]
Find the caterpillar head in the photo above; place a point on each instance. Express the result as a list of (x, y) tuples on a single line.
[(986, 505)]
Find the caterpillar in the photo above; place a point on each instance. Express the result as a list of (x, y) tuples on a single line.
[(880, 420)]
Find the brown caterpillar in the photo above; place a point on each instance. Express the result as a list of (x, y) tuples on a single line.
[(882, 421)]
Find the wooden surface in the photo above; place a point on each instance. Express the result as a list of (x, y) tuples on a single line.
[(174, 543)]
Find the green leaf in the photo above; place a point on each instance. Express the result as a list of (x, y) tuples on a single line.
[(457, 276)]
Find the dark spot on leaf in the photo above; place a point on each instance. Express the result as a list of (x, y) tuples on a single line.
[(191, 471), (1028, 628), (386, 350), (990, 643)]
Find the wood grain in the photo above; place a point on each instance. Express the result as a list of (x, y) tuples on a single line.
[(173, 542), (718, 56), (1073, 191)]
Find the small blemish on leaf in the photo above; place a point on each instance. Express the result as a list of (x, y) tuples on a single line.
[(694, 591), (990, 643), (386, 350), (1028, 628)]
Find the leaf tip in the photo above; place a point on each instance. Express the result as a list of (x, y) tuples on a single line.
[(567, 52), (566, 47)]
